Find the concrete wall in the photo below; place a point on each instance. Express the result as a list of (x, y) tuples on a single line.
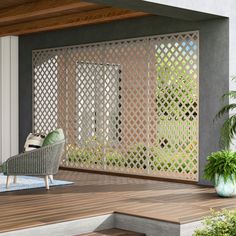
[(214, 64)]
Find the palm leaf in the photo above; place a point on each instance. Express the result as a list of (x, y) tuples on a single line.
[(225, 110), (228, 131), (234, 78), (230, 94)]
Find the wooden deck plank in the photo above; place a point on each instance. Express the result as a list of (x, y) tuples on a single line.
[(94, 194)]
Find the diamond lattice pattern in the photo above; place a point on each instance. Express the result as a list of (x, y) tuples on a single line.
[(128, 106)]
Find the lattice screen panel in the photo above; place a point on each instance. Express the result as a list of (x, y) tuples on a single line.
[(128, 106)]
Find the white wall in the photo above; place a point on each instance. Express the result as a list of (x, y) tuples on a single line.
[(8, 97), (215, 7), (232, 53), (232, 43)]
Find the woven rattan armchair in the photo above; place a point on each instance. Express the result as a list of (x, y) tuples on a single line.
[(39, 162)]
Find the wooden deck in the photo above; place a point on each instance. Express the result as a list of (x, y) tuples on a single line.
[(94, 194)]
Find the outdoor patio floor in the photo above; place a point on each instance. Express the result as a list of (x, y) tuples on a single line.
[(94, 194)]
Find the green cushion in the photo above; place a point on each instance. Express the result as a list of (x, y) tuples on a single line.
[(54, 137), (3, 168)]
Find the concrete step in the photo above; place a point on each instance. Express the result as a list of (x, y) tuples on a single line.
[(113, 232)]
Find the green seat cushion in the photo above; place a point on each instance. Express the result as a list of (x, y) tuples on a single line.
[(54, 137)]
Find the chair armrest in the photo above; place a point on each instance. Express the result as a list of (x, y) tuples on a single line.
[(30, 163), (33, 153), (42, 161)]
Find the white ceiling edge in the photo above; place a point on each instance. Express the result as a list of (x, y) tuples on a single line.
[(216, 7)]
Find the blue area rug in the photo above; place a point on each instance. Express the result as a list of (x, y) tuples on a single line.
[(27, 182)]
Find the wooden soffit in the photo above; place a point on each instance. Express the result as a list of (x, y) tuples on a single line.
[(18, 17)]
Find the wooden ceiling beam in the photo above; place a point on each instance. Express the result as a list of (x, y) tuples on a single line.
[(40, 8), (71, 20)]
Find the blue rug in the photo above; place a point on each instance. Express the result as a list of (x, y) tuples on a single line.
[(27, 182)]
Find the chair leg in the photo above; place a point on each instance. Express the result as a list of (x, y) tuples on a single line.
[(15, 179), (8, 181), (51, 178), (46, 182)]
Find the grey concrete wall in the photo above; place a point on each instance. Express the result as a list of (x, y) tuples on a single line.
[(68, 228), (146, 226), (149, 227), (214, 64)]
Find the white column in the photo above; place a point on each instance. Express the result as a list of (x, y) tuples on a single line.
[(8, 97)]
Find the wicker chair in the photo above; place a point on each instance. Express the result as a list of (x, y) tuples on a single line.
[(39, 162)]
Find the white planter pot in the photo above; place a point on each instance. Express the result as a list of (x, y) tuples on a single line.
[(225, 188)]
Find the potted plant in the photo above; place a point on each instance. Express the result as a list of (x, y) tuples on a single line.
[(221, 169)]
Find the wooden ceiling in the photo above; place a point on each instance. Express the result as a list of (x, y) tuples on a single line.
[(18, 17)]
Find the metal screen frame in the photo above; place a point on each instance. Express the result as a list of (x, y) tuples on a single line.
[(141, 158)]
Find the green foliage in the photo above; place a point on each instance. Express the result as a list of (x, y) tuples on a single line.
[(222, 223), (136, 156), (114, 158), (228, 130), (222, 163), (173, 87), (90, 153)]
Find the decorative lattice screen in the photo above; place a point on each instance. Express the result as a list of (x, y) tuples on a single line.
[(126, 106)]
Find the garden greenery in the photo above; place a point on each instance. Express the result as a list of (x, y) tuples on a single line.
[(136, 156), (222, 223), (222, 163)]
